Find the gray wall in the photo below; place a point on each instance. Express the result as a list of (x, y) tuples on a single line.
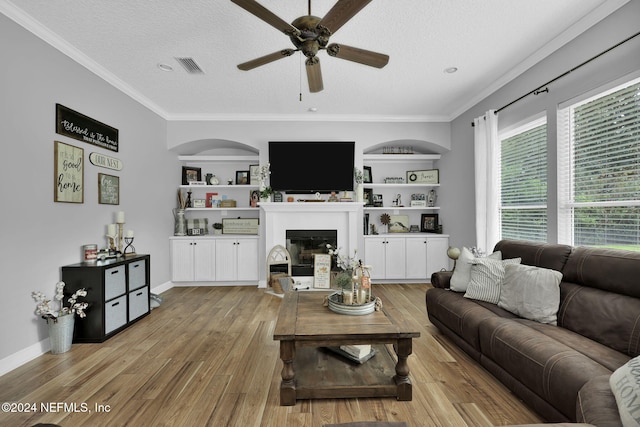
[(38, 235), (457, 190)]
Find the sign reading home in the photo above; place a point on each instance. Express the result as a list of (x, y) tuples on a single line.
[(78, 126)]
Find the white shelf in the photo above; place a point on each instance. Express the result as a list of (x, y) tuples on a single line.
[(405, 185), (400, 208), (218, 159), (400, 157), (222, 187), (241, 208)]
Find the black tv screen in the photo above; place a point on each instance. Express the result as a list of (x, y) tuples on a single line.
[(310, 167)]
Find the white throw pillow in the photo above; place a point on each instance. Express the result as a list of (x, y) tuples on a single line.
[(625, 386), (531, 292), (486, 279), (462, 273)]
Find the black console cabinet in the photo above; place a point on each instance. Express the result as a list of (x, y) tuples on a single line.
[(117, 293)]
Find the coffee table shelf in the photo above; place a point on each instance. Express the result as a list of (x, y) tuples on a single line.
[(311, 371)]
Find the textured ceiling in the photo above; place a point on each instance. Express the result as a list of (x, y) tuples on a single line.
[(489, 41)]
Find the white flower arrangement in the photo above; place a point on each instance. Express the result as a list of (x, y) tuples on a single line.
[(358, 175), (343, 261), (264, 172), (43, 308)]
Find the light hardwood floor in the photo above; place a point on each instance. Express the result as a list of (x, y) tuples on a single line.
[(207, 357)]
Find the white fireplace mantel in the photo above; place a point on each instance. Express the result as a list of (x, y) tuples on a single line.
[(344, 217)]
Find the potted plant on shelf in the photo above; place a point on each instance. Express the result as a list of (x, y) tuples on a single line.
[(265, 194), (61, 321), (217, 228)]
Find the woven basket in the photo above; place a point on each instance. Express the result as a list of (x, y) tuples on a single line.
[(61, 333)]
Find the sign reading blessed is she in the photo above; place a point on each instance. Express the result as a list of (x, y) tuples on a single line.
[(83, 128)]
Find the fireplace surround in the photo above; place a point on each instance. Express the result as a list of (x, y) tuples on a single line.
[(343, 217), (304, 244)]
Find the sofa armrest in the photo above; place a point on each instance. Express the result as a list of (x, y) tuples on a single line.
[(441, 279)]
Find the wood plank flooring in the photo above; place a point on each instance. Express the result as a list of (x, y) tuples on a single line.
[(207, 357)]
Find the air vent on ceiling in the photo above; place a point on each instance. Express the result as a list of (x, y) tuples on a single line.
[(190, 65)]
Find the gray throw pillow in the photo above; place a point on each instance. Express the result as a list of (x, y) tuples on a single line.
[(625, 386), (486, 278), (531, 292), (462, 273)]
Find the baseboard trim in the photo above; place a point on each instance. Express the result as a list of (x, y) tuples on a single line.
[(23, 356)]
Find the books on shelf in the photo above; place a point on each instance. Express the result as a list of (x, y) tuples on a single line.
[(355, 353), (358, 351)]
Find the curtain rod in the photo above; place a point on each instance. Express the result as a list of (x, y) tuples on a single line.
[(542, 88)]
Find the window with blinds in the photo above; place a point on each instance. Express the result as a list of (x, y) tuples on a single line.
[(599, 169), (523, 168)]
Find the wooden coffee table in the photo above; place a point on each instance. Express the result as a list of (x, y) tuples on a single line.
[(305, 329)]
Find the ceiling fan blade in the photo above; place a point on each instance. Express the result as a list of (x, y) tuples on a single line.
[(340, 13), (314, 74), (267, 16), (366, 57), (250, 65)]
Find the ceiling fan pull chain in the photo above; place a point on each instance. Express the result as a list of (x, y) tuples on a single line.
[(300, 74)]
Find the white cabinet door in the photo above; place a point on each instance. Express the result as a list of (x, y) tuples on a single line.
[(437, 258), (226, 260), (182, 260), (375, 256), (204, 260), (396, 257), (416, 257), (386, 256), (247, 259)]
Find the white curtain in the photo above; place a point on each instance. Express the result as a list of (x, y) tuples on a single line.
[(487, 180)]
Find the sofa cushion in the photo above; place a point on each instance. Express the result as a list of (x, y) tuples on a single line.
[(462, 272), (605, 317), (596, 404), (461, 316), (547, 367), (531, 292), (625, 385), (540, 254), (486, 279)]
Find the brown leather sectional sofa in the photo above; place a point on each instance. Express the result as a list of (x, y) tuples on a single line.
[(562, 372)]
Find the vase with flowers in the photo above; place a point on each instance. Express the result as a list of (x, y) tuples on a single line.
[(60, 321), (358, 177)]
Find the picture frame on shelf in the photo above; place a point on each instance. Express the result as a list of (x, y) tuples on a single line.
[(377, 200), (254, 174), (108, 189), (429, 176), (367, 178), (368, 196), (242, 177), (429, 223), (399, 224), (190, 174), (254, 198)]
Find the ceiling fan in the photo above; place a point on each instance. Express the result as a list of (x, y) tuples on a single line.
[(309, 34)]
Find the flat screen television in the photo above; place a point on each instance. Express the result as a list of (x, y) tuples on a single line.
[(311, 167)]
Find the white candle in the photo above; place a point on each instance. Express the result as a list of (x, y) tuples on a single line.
[(111, 230), (120, 217), (129, 233)]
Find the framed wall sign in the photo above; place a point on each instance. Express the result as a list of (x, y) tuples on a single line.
[(430, 176), (240, 225), (108, 189), (322, 271), (68, 173)]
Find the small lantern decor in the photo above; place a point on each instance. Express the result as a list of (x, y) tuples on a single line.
[(360, 300)]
